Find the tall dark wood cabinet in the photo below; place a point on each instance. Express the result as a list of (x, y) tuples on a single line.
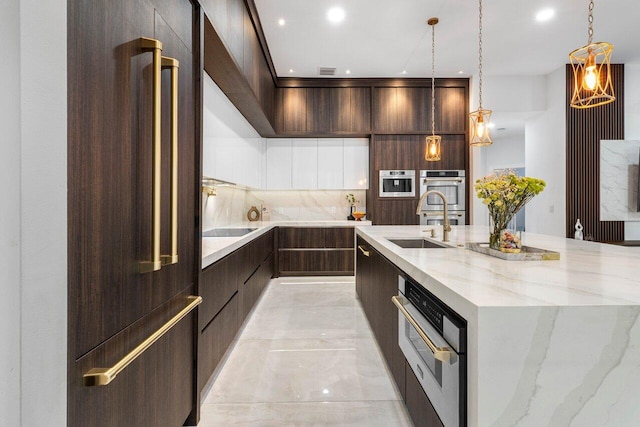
[(113, 306)]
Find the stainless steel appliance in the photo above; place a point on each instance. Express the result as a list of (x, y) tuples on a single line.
[(451, 183), (437, 218), (433, 339), (397, 183)]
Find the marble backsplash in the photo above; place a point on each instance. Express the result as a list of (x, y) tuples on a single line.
[(229, 207), (619, 180)]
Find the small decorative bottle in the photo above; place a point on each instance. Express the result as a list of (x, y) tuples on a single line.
[(351, 217), (578, 234)]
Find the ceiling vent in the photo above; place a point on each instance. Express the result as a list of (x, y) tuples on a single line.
[(327, 71)]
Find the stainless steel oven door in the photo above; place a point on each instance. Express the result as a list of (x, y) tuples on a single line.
[(437, 218), (439, 379), (397, 183), (452, 187)]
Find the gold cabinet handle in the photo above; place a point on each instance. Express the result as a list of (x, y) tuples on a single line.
[(365, 253), (103, 376), (173, 65), (442, 354), (155, 46)]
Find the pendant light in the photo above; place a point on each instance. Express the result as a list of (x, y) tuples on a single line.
[(432, 152), (480, 119), (591, 65)]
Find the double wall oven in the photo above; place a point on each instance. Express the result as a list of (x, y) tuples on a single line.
[(452, 184), (433, 339)]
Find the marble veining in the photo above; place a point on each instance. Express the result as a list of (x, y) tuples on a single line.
[(552, 343), (229, 207), (619, 180)]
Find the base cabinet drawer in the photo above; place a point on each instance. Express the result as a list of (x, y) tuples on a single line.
[(218, 283), (316, 262), (255, 285), (216, 339), (422, 412), (156, 389)]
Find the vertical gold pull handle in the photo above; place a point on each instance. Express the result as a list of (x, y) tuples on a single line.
[(155, 46), (173, 65)]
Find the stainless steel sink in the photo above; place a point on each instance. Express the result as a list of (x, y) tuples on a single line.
[(227, 232), (417, 243)]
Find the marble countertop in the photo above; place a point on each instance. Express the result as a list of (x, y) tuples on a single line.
[(215, 248), (587, 274)]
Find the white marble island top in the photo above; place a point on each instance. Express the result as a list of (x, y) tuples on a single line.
[(550, 343)]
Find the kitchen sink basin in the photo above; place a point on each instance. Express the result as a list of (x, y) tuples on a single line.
[(227, 232), (417, 243)]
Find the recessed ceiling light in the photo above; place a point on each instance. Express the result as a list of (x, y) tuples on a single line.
[(460, 72), (336, 14), (291, 70), (348, 72), (404, 71), (545, 15), (281, 22)]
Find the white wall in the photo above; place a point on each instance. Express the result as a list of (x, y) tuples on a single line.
[(545, 158), (33, 250), (505, 153), (632, 127)]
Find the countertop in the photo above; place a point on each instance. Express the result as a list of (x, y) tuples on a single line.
[(215, 248), (588, 273), (549, 342)]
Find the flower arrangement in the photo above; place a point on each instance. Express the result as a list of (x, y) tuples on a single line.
[(505, 194)]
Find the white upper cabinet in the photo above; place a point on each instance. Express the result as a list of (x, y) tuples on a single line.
[(322, 163), (356, 163), (330, 163), (304, 164), (232, 150), (279, 161)]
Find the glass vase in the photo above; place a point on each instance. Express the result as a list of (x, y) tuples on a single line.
[(503, 235)]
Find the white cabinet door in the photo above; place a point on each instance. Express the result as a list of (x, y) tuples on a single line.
[(356, 163), (330, 163), (304, 164), (279, 164)]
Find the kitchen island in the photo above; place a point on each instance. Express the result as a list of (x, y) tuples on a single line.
[(549, 342)]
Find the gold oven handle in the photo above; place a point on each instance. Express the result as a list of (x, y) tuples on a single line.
[(364, 252), (103, 376), (442, 354), (155, 46), (173, 65)]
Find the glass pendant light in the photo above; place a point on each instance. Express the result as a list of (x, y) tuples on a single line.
[(591, 65), (432, 152), (480, 119)]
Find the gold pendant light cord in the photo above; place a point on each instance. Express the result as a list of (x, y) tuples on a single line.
[(480, 54), (590, 22), (433, 79)]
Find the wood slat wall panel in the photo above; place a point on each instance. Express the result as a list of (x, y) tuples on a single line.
[(585, 129)]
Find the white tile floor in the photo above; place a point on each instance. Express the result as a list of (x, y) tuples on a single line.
[(306, 357)]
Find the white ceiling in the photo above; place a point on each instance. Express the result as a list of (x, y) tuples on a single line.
[(380, 38)]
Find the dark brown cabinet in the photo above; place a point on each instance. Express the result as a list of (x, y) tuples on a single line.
[(376, 283), (323, 111), (315, 251), (418, 404), (230, 288), (113, 307)]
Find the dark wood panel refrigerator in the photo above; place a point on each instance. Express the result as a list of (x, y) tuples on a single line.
[(133, 151)]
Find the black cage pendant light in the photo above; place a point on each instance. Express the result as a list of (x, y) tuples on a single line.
[(591, 65), (480, 119), (432, 150)]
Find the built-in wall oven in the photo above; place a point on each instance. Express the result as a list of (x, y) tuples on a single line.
[(452, 184), (397, 183), (433, 339), (437, 218)]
